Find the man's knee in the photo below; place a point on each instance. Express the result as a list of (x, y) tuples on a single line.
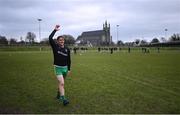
[(60, 80), (61, 84)]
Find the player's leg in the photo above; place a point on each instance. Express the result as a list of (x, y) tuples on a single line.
[(59, 75), (61, 84), (61, 78), (62, 90), (57, 72), (65, 71)]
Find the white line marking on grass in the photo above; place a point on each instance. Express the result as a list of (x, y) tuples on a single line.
[(139, 81), (152, 86)]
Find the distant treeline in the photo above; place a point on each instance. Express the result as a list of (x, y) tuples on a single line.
[(172, 41)]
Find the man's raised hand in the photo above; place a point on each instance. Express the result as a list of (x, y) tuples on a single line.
[(57, 27)]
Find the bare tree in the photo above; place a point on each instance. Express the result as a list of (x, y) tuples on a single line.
[(30, 37), (175, 37), (137, 41), (13, 41), (120, 43), (143, 42), (3, 40), (69, 39)]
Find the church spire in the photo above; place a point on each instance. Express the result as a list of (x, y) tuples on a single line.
[(106, 23)]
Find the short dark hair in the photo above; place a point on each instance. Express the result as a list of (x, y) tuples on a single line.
[(60, 37)]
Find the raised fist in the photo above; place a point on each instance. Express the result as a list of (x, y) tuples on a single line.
[(57, 27)]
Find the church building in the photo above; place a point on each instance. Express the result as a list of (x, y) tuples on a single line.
[(97, 37)]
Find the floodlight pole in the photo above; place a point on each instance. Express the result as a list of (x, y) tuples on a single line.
[(39, 20), (117, 33), (165, 32)]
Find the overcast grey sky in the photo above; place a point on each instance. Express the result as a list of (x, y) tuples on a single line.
[(143, 19)]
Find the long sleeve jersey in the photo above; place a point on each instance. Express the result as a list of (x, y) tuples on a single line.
[(61, 54)]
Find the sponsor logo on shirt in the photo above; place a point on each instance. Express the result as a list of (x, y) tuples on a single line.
[(59, 52)]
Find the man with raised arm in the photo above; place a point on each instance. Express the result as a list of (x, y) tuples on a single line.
[(62, 63)]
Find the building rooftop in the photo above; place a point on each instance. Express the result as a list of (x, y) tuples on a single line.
[(93, 33)]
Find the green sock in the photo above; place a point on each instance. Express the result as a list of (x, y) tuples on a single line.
[(62, 97)]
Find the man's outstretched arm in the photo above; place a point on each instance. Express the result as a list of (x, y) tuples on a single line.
[(51, 41)]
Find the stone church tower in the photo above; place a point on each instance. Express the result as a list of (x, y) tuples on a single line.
[(106, 29)]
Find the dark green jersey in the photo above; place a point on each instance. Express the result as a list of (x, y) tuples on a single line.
[(61, 54)]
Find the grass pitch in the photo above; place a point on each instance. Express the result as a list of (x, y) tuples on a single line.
[(99, 82)]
